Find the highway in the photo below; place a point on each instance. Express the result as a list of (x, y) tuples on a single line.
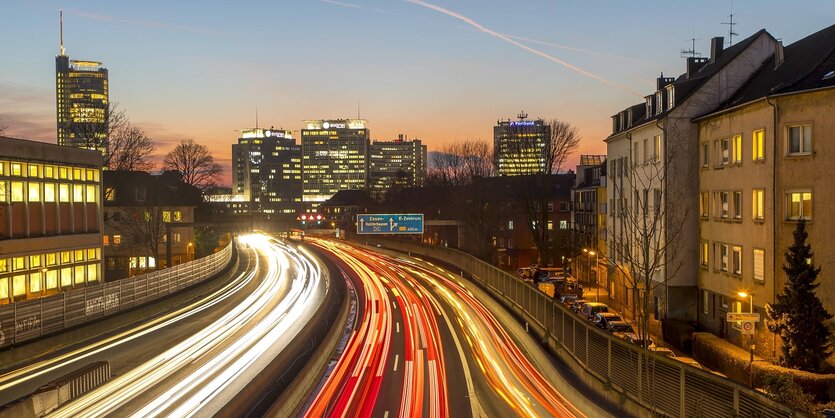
[(195, 359), (425, 345)]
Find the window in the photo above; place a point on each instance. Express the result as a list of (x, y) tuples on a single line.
[(722, 204), (563, 224), (759, 264), (704, 204), (705, 154), (177, 237), (657, 201), (49, 172), (800, 139), (723, 151), (34, 191), (723, 257), (66, 277), (18, 263), (33, 170), (737, 149), (19, 285), (177, 215), (799, 205), (550, 228), (705, 301), (64, 193), (51, 279), (646, 201), (35, 282), (737, 205), (509, 225), (49, 192), (737, 260), (51, 259), (17, 191), (17, 169), (105, 240), (92, 194), (140, 194), (656, 152), (78, 193), (4, 289), (647, 157), (758, 204), (758, 145), (724, 302), (704, 254), (109, 194), (34, 261), (563, 208), (117, 239)]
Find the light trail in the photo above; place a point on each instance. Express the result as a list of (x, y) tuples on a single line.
[(211, 363), (419, 288)]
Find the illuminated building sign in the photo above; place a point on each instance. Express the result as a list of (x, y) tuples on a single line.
[(522, 123)]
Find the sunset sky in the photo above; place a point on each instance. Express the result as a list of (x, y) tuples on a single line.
[(440, 71)]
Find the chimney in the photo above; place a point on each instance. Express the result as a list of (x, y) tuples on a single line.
[(662, 81), (694, 64), (778, 54), (717, 46)]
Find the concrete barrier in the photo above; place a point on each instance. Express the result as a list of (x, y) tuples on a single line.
[(58, 392)]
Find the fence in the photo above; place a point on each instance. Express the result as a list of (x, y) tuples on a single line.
[(30, 319), (660, 385)]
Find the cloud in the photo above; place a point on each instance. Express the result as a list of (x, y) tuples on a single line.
[(352, 5), (518, 44), (147, 23)]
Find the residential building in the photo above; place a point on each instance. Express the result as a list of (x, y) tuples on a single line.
[(82, 98), (141, 211), (521, 146), (588, 212), (50, 219), (334, 158), (764, 158), (653, 185), (399, 163), (267, 172)]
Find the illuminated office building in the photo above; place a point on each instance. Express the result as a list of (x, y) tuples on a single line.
[(520, 146), (82, 101), (267, 171), (335, 157), (50, 219), (398, 163)]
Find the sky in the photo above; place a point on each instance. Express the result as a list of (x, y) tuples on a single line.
[(440, 71)]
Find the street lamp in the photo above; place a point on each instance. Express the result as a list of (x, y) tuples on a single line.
[(744, 295), (596, 278)]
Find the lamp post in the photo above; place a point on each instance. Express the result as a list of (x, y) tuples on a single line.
[(751, 358), (596, 278)]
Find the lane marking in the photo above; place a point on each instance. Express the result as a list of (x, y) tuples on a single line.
[(396, 359), (398, 327), (386, 414)]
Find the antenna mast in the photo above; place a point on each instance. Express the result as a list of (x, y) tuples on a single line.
[(61, 30), (731, 25)]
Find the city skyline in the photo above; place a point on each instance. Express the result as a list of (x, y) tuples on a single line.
[(439, 74)]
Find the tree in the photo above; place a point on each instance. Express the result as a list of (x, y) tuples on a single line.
[(96, 135), (130, 149), (3, 126), (195, 163), (798, 316), (534, 194), (458, 163)]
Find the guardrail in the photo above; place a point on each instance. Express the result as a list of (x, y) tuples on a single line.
[(659, 386), (30, 319)]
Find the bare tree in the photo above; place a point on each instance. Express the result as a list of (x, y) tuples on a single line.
[(195, 163), (534, 193), (130, 149), (461, 162), (96, 135), (3, 126)]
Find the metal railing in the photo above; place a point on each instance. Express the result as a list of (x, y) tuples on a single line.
[(662, 386), (30, 319)]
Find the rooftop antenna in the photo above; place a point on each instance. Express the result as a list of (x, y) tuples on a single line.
[(692, 51), (731, 25), (61, 30), (522, 115)]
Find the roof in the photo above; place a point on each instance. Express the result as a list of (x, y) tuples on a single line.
[(165, 189), (345, 198), (685, 86), (588, 160), (28, 150), (805, 66)]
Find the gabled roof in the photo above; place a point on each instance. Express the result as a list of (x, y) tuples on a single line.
[(805, 66), (165, 189), (344, 198)]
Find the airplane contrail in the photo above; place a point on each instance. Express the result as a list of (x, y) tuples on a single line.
[(505, 38), (581, 50)]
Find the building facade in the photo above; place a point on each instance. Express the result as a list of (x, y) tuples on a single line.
[(588, 213), (82, 99), (520, 146), (267, 172), (139, 210), (399, 163), (334, 158), (764, 157), (50, 219), (653, 180)]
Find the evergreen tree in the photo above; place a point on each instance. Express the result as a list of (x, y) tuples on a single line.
[(798, 315)]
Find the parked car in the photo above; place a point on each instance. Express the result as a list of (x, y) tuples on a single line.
[(602, 319), (662, 351), (592, 308), (566, 287), (619, 326), (578, 305), (632, 338), (569, 300)]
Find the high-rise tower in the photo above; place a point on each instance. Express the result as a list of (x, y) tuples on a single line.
[(82, 101)]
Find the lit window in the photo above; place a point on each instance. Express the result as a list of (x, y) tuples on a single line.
[(737, 205), (799, 205), (105, 240), (49, 172), (737, 149), (800, 139), (758, 204), (117, 239), (19, 285), (166, 216), (51, 279), (17, 191), (758, 145), (152, 262), (35, 283), (91, 254), (77, 174), (18, 263), (34, 261), (78, 193), (704, 204), (178, 216), (4, 289), (92, 194), (34, 192), (550, 225), (705, 301), (92, 272), (63, 173), (79, 255), (759, 264), (704, 253), (51, 259), (66, 257), (79, 274), (109, 194), (4, 265), (3, 190), (563, 224), (17, 169), (49, 192), (66, 277), (510, 225), (64, 193)]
